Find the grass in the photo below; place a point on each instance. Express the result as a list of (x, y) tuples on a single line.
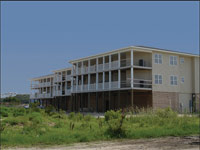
[(20, 127)]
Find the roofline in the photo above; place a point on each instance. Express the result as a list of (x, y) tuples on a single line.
[(131, 47), (100, 55), (64, 69), (167, 51), (42, 77)]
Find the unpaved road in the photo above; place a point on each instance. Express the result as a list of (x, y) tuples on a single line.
[(168, 143)]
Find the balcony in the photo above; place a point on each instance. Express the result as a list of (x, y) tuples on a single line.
[(106, 66), (68, 77), (125, 62), (142, 64), (78, 88), (58, 78), (106, 85), (68, 91), (125, 84), (34, 86), (114, 85), (114, 64), (142, 84), (92, 69), (100, 67), (85, 87), (79, 70), (85, 70), (34, 96), (100, 86), (58, 93), (92, 87)]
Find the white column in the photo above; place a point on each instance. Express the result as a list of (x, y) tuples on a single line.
[(72, 79), (109, 79), (103, 62), (119, 60), (82, 67), (119, 78), (81, 82), (131, 68), (88, 66), (103, 79), (97, 80), (88, 82), (97, 62), (76, 68), (109, 61)]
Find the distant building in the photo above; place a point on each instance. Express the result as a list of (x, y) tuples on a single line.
[(133, 76)]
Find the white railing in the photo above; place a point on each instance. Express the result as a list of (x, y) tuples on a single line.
[(106, 85), (67, 91), (100, 67), (85, 70), (141, 83), (93, 87), (79, 70), (114, 85), (125, 62), (78, 88), (35, 95), (100, 86), (85, 87), (47, 95), (35, 85), (106, 66), (125, 84), (58, 78), (143, 64), (93, 68), (114, 64), (68, 77), (74, 88)]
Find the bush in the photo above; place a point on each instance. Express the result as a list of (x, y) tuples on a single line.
[(19, 112), (49, 110), (115, 123), (166, 113)]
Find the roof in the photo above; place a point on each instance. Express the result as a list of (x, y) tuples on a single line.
[(42, 77), (64, 69), (145, 48)]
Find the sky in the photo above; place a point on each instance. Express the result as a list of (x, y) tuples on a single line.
[(39, 37)]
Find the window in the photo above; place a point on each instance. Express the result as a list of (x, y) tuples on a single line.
[(182, 80), (158, 58), (158, 79), (181, 60), (173, 60), (173, 80)]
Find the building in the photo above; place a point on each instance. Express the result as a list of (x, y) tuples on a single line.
[(135, 76)]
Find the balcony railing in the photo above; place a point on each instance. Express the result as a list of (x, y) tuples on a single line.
[(85, 70), (142, 64), (141, 83), (79, 70), (78, 88), (114, 64), (106, 66), (85, 87), (100, 86), (68, 77), (106, 85), (125, 62), (114, 85), (93, 68), (100, 67), (125, 84), (93, 87), (58, 78), (68, 91)]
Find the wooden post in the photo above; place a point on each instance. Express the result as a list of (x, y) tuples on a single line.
[(97, 102), (131, 98), (118, 107), (109, 99), (103, 99), (88, 101)]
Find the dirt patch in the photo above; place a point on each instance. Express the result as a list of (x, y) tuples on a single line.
[(167, 143)]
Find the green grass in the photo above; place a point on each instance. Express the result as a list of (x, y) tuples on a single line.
[(42, 127)]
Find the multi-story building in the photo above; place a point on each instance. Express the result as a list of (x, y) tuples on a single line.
[(133, 76)]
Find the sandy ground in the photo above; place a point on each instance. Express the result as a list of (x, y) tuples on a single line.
[(167, 143)]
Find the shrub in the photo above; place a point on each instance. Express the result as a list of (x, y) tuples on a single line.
[(19, 112), (166, 113), (71, 115), (49, 110), (115, 123)]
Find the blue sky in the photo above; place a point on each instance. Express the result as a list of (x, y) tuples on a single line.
[(38, 37)]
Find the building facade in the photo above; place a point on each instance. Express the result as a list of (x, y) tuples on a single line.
[(135, 76)]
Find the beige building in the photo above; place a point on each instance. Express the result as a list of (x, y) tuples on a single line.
[(135, 76)]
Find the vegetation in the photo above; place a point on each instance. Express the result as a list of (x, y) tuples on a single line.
[(18, 99), (34, 126)]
